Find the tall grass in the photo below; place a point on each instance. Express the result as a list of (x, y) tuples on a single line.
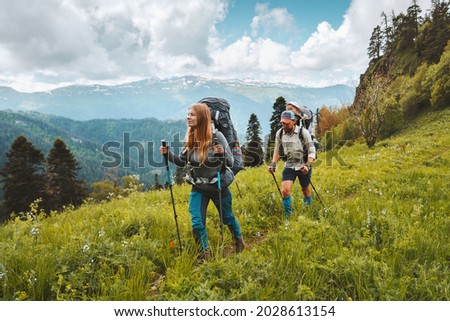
[(383, 234)]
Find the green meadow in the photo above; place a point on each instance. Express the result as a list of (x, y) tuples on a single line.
[(382, 233)]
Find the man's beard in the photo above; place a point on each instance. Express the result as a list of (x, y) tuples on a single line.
[(289, 130)]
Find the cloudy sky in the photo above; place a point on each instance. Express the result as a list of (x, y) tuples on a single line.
[(50, 43)]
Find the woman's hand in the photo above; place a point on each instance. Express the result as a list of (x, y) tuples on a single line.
[(163, 150), (218, 149)]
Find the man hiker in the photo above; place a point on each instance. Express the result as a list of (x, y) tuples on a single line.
[(299, 151)]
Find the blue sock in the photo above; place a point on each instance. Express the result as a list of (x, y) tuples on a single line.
[(307, 200), (287, 203)]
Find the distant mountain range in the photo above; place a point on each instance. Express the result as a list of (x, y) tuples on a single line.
[(170, 98)]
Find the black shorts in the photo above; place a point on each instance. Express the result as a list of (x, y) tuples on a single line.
[(290, 174)]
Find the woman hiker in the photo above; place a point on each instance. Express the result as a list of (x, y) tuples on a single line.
[(205, 159)]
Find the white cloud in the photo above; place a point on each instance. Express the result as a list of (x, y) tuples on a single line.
[(248, 57), (48, 43), (104, 40), (267, 20), (336, 51)]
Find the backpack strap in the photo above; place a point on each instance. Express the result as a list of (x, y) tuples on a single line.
[(215, 119), (300, 134), (214, 129)]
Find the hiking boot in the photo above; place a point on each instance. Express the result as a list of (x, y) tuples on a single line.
[(239, 245), (203, 256)]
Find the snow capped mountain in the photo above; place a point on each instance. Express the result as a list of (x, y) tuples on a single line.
[(170, 98)]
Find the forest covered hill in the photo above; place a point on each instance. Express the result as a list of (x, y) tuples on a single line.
[(87, 138)]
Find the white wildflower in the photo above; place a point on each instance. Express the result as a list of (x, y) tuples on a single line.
[(3, 271), (35, 231)]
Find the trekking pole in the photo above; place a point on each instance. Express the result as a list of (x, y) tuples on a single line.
[(239, 190), (169, 181), (315, 191), (273, 175), (219, 187), (278, 187)]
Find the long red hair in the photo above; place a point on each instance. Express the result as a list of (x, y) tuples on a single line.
[(200, 136)]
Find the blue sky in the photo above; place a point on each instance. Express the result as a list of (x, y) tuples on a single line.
[(51, 43), (305, 14)]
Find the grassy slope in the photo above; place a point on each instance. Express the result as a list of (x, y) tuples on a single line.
[(383, 235)]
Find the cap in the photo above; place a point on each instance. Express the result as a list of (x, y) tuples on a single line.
[(287, 115)]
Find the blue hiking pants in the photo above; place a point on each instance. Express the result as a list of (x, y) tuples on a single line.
[(198, 203)]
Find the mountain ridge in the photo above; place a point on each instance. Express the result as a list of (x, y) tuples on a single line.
[(169, 98)]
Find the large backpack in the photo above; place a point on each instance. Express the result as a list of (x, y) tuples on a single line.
[(302, 139), (221, 121), (307, 117)]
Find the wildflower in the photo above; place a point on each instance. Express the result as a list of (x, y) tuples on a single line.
[(32, 276), (35, 231), (86, 248), (2, 271)]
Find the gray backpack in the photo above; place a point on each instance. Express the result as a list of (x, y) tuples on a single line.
[(221, 121)]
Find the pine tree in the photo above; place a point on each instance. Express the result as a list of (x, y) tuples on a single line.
[(253, 129), (278, 107), (253, 152), (375, 44), (387, 34), (436, 32), (62, 185), (22, 175), (157, 185), (415, 19)]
